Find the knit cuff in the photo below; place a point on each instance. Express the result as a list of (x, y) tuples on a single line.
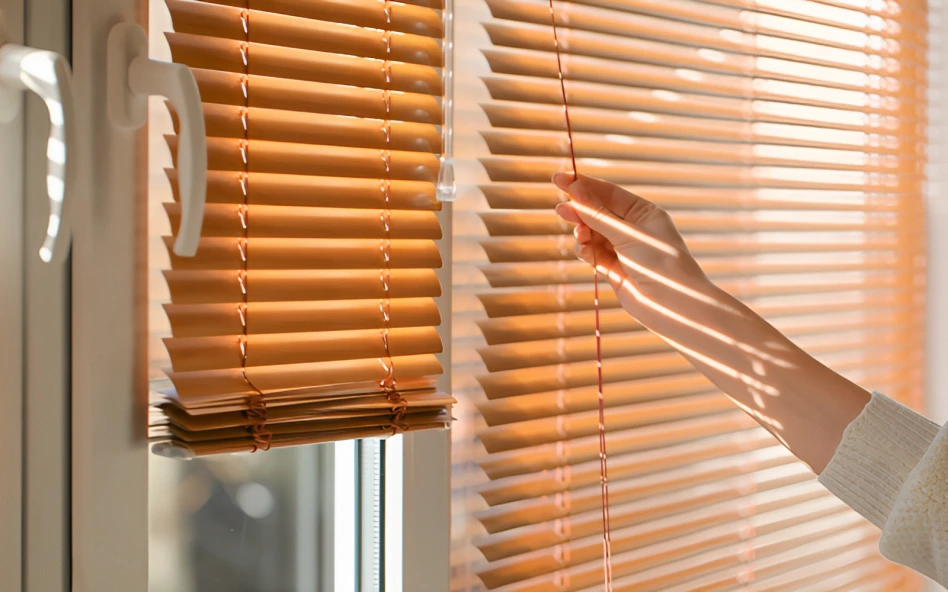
[(878, 451)]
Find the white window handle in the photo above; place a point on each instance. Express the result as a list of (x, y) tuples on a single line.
[(48, 75), (132, 78)]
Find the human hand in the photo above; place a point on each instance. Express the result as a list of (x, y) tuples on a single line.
[(634, 243)]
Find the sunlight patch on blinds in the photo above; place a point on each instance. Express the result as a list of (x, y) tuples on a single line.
[(786, 139)]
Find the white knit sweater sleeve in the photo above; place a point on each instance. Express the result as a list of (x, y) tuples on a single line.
[(892, 467)]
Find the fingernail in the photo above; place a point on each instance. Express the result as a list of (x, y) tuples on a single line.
[(562, 180), (577, 191)]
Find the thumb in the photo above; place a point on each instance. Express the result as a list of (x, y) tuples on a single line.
[(608, 209)]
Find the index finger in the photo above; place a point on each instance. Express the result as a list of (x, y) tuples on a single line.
[(591, 208)]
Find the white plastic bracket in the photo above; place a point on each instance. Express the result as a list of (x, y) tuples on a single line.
[(132, 78)]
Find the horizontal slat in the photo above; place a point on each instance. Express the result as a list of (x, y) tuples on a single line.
[(575, 349), (225, 121), (549, 456), (309, 159), (547, 561), (563, 427), (531, 223), (262, 318), (592, 70), (225, 187), (615, 147), (412, 16), (630, 123), (204, 18), (530, 407), (530, 89), (540, 196), (224, 220), (547, 534), (769, 57), (771, 248), (307, 253), (289, 377), (840, 13), (567, 298), (316, 97), (298, 64), (707, 34), (575, 272), (219, 353), (505, 330), (218, 287), (330, 432), (537, 169), (793, 17), (550, 378), (200, 419)]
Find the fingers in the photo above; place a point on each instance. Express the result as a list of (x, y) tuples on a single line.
[(595, 203), (598, 253), (597, 192)]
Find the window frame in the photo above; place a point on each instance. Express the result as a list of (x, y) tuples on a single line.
[(109, 357), (12, 142)]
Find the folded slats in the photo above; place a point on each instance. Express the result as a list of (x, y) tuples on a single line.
[(308, 313), (786, 140)]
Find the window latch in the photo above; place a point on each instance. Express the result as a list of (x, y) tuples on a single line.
[(49, 76), (132, 78)]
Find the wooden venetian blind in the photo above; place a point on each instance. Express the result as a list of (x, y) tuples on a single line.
[(786, 138), (309, 312)]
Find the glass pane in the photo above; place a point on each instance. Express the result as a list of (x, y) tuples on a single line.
[(246, 523)]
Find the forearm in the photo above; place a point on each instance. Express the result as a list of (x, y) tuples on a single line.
[(802, 402)]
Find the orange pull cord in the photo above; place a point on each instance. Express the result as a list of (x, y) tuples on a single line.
[(603, 468)]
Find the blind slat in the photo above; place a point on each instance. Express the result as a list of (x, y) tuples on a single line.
[(296, 64), (317, 97), (535, 196), (305, 254), (208, 320), (211, 287), (407, 17), (308, 159), (221, 22), (296, 222), (214, 353), (224, 187), (224, 121)]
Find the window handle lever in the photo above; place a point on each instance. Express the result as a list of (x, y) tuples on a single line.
[(132, 78), (48, 75)]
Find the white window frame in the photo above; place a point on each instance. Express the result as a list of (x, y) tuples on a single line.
[(109, 377), (11, 324), (34, 320)]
